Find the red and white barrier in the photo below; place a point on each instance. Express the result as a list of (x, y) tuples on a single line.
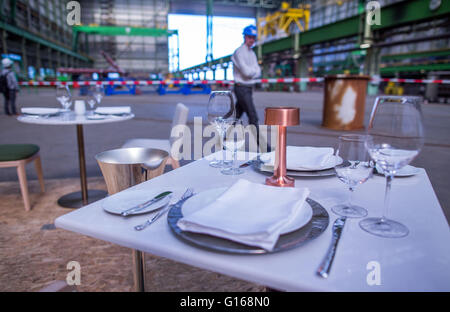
[(78, 84)]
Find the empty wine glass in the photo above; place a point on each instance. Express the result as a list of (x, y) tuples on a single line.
[(98, 93), (234, 140), (91, 100), (221, 113), (354, 170), (396, 136), (64, 96)]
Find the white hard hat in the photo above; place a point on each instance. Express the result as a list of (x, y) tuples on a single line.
[(6, 62)]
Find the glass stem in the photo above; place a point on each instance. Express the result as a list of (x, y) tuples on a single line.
[(235, 166), (387, 196), (350, 197), (222, 139)]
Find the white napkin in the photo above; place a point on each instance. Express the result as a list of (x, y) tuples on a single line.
[(113, 110), (302, 158), (249, 213), (39, 110)]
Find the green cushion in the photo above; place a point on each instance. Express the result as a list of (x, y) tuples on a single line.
[(11, 152)]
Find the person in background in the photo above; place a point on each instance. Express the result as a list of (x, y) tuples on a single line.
[(9, 87), (245, 70)]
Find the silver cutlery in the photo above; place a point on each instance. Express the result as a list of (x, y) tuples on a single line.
[(251, 161), (189, 193), (325, 266), (246, 164), (146, 204)]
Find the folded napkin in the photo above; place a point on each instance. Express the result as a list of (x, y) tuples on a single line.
[(249, 213), (302, 158), (39, 110), (113, 110)]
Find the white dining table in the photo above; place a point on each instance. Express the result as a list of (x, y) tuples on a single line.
[(363, 262), (85, 196)]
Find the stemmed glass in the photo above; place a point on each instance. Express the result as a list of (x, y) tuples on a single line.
[(352, 150), (95, 95), (91, 101), (64, 96), (396, 136), (234, 140), (221, 114), (98, 93)]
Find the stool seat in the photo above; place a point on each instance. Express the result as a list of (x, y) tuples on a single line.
[(12, 152)]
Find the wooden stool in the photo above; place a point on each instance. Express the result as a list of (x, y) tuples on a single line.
[(18, 155)]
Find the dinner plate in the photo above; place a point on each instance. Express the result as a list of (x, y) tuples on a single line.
[(331, 163), (96, 117), (113, 114), (258, 166), (122, 201), (205, 198), (40, 110), (406, 171), (313, 229)]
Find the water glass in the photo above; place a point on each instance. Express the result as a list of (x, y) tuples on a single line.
[(234, 140), (353, 171), (396, 136), (221, 114), (64, 96)]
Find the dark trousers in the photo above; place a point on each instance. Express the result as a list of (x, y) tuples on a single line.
[(10, 102), (244, 104)]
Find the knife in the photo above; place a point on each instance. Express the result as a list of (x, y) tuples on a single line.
[(188, 194), (325, 266), (142, 206)]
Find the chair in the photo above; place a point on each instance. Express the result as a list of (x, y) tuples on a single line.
[(18, 155), (180, 118)]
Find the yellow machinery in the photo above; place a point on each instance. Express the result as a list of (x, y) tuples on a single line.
[(393, 89), (272, 23)]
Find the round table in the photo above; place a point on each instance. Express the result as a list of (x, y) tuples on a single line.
[(85, 196)]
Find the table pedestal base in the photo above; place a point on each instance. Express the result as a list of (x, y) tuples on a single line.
[(75, 200)]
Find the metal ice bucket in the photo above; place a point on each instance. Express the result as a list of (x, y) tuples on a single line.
[(126, 167)]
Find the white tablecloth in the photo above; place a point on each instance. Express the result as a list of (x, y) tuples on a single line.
[(418, 262)]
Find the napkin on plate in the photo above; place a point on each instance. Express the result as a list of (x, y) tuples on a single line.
[(302, 158), (113, 110), (249, 213)]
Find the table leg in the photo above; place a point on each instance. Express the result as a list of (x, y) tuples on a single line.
[(139, 270), (82, 161), (74, 200)]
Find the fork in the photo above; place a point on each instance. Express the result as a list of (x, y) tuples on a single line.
[(189, 192)]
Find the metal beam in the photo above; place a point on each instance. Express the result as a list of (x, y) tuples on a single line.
[(403, 56), (125, 31), (415, 68), (392, 16), (32, 37)]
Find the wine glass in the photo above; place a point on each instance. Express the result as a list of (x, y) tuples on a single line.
[(91, 100), (64, 96), (98, 93), (396, 136), (234, 139), (221, 113), (354, 170)]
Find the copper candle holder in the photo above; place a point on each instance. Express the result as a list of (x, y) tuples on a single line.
[(281, 117)]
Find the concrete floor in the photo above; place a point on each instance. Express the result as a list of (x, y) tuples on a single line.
[(153, 120)]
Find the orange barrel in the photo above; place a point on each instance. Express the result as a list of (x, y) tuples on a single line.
[(344, 101)]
